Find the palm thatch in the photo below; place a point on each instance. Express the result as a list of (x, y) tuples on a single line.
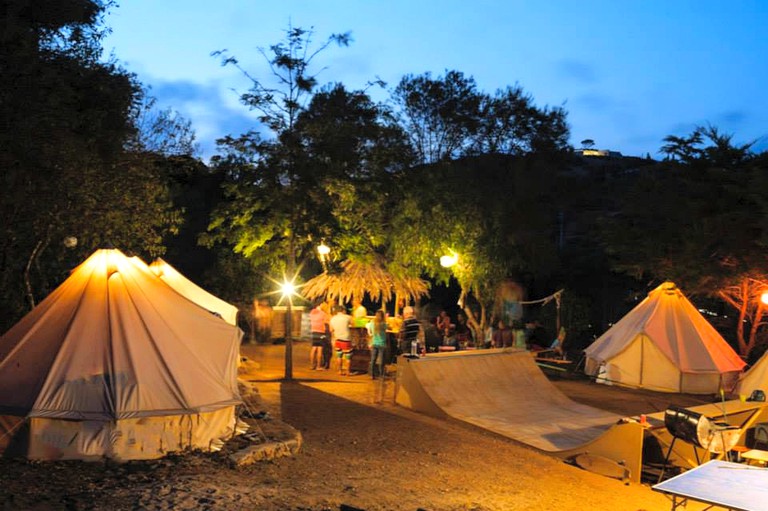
[(358, 279)]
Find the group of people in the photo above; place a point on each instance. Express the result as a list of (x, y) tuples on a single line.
[(500, 333), (529, 336), (336, 334)]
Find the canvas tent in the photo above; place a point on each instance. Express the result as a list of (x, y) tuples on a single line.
[(193, 292), (756, 378), (116, 364), (664, 344)]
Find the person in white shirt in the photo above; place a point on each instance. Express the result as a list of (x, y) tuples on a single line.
[(340, 333)]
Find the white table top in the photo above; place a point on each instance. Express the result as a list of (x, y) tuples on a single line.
[(722, 483)]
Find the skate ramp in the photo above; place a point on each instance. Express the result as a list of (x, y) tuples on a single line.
[(504, 391)]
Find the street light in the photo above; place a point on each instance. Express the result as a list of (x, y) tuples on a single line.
[(323, 250), (447, 261), (287, 290)]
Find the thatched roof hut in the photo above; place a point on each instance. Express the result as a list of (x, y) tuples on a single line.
[(357, 279)]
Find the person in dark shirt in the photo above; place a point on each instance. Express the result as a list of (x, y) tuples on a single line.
[(409, 332), (463, 332)]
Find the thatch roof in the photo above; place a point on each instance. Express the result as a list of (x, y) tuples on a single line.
[(357, 279)]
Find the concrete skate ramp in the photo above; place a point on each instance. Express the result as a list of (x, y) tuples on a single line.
[(503, 391)]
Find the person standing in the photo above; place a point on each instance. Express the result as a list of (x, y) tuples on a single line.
[(443, 323), (340, 332), (318, 321), (463, 332), (262, 314), (359, 320), (503, 337), (378, 344), (519, 330), (410, 329)]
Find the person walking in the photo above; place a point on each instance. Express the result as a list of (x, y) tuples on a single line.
[(340, 332), (378, 344)]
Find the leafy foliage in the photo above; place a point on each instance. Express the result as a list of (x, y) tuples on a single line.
[(323, 175), (506, 210), (698, 220), (447, 118), (66, 119)]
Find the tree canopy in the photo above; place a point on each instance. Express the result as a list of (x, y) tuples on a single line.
[(68, 171)]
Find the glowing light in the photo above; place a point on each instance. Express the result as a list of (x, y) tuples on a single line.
[(764, 298), (323, 249), (287, 289), (447, 261)]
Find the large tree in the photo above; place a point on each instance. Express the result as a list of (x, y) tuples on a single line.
[(321, 173), (439, 114), (699, 219), (268, 177), (66, 119), (502, 226), (448, 117)]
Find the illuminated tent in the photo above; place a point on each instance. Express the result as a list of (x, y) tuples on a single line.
[(756, 378), (193, 292), (116, 364), (664, 344)]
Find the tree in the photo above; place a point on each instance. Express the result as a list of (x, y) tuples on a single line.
[(719, 153), (440, 115), (66, 122), (712, 242), (587, 143), (510, 123), (683, 149), (290, 63), (509, 210), (327, 175), (447, 118), (268, 179), (160, 132)]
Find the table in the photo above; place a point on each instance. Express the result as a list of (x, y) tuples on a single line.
[(755, 455), (729, 485)]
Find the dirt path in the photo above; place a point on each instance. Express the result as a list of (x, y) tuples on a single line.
[(359, 451), (385, 457)]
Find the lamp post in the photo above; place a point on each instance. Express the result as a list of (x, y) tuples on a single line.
[(323, 250), (288, 289)]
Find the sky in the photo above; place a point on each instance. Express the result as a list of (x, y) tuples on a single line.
[(627, 72)]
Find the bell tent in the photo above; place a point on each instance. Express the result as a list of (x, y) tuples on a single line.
[(116, 364), (756, 378), (664, 344), (193, 292)]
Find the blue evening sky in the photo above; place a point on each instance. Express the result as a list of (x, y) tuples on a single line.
[(629, 72)]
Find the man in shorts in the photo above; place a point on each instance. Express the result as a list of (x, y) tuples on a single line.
[(341, 334), (318, 319)]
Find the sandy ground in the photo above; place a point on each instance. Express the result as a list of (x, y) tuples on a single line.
[(360, 452)]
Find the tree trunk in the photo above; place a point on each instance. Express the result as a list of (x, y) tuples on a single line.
[(27, 273)]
